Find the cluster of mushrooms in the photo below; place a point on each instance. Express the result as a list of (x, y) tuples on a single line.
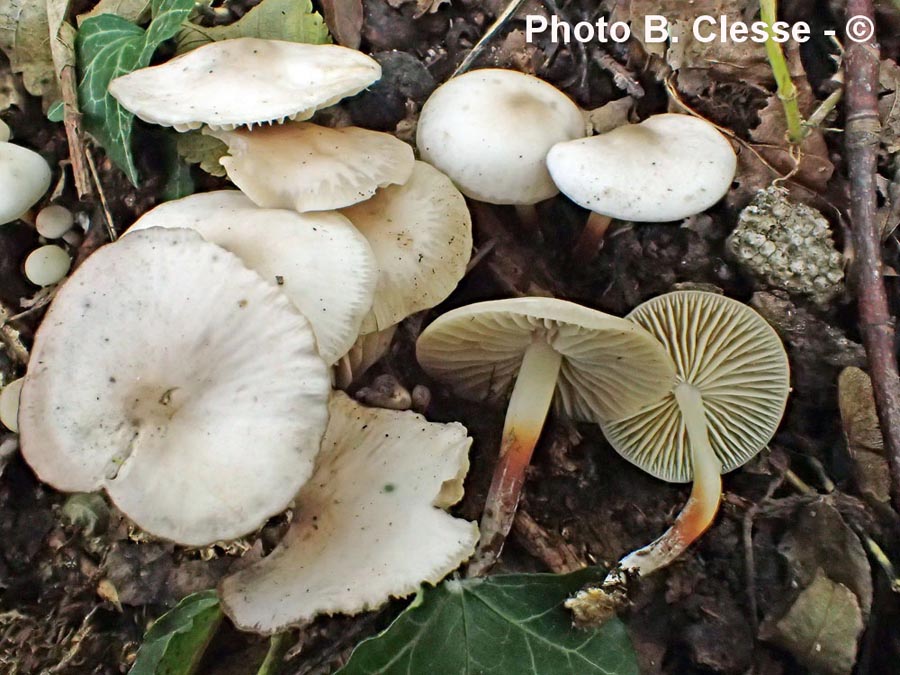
[(211, 335)]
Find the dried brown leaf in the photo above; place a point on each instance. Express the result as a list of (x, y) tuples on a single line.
[(25, 38), (889, 106), (344, 19), (822, 627), (863, 433)]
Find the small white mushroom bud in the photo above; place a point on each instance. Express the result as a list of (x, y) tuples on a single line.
[(47, 265), (9, 405), (54, 221)]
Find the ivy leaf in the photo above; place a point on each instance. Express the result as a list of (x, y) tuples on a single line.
[(498, 625), (109, 46), (288, 20), (176, 642)]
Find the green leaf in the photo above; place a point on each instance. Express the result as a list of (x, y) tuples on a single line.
[(109, 46), (176, 642), (498, 625), (55, 112), (289, 20)]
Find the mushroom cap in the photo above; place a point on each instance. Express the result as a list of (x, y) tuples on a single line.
[(319, 260), (421, 234), (737, 362), (24, 178), (668, 167), (369, 525), (490, 131), (610, 366), (308, 167), (197, 399), (47, 265), (244, 81), (4, 132), (9, 404)]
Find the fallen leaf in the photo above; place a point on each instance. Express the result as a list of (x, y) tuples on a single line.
[(499, 625), (10, 91), (865, 443), (700, 65), (822, 627), (889, 106), (289, 20), (344, 19), (819, 539), (25, 38)]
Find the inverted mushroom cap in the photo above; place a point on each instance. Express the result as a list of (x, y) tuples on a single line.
[(369, 525), (421, 234), (308, 167), (195, 398), (610, 367), (244, 81), (24, 178), (319, 260), (490, 131), (733, 358), (668, 167)]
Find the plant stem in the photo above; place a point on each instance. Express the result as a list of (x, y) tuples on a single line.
[(275, 656), (787, 92), (863, 131), (525, 415)]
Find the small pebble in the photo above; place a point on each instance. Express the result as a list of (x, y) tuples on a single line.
[(54, 221), (47, 265), (9, 405), (4, 132)]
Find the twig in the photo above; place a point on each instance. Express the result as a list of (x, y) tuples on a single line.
[(749, 555), (492, 30), (62, 49), (787, 92), (549, 548), (862, 138)]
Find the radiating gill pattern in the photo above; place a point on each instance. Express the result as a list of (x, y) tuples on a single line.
[(602, 376), (736, 361)]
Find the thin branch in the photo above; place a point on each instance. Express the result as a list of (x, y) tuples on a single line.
[(492, 30), (863, 130)]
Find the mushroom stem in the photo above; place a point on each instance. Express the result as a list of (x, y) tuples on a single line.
[(528, 217), (590, 241), (594, 606), (701, 507), (525, 415)]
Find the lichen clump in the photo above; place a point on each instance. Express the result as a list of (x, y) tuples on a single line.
[(789, 246)]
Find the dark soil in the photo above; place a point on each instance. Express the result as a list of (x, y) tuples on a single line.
[(78, 586)]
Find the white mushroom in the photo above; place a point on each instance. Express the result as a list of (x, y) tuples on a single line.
[(490, 131), (47, 265), (421, 234), (308, 167), (4, 132), (53, 221), (9, 404), (197, 399), (731, 388), (370, 524), (538, 351), (666, 168), (319, 260), (24, 178), (244, 81)]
